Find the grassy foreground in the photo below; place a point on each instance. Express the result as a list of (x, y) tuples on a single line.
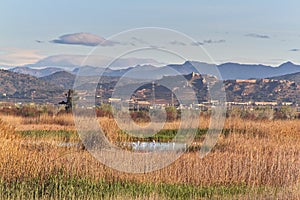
[(252, 160), (59, 186)]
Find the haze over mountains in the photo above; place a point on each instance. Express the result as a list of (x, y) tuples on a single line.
[(69, 62), (227, 71)]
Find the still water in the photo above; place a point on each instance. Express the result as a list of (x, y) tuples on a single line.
[(141, 146)]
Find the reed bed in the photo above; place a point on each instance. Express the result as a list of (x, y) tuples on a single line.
[(254, 159)]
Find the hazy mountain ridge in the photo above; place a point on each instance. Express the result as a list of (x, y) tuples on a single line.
[(226, 71), (232, 71), (36, 72)]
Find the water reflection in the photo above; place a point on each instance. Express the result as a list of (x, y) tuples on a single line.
[(157, 146), (140, 146)]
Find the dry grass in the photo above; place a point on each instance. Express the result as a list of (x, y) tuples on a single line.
[(254, 153), (42, 122), (62, 119)]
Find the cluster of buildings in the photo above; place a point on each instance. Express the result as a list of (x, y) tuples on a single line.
[(147, 105)]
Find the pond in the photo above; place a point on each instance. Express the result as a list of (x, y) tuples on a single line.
[(141, 146), (157, 146)]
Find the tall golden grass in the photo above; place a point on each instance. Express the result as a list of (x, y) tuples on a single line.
[(254, 153)]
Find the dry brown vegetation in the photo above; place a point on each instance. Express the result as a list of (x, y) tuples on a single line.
[(253, 154)]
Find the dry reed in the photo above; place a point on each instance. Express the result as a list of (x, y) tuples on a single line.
[(254, 153)]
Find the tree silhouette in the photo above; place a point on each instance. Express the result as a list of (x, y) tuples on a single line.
[(68, 103)]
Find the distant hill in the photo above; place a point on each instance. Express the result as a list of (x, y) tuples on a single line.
[(36, 72), (66, 80), (291, 77), (62, 79), (25, 87), (163, 89), (236, 90), (263, 90)]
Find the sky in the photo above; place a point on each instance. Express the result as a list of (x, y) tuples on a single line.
[(261, 32)]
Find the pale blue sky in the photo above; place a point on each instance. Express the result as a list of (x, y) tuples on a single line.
[(256, 31)]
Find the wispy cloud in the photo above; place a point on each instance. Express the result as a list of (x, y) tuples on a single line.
[(197, 43), (39, 41), (255, 35), (85, 39), (209, 41), (179, 43), (294, 50), (139, 40), (17, 57), (213, 41)]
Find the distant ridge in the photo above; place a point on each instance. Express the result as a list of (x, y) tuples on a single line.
[(225, 71), (36, 72), (231, 71)]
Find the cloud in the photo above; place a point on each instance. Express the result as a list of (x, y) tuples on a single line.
[(213, 41), (255, 35), (139, 40), (85, 39), (175, 42), (294, 50), (18, 57), (210, 41), (39, 41), (197, 43)]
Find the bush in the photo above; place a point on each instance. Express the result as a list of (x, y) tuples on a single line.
[(171, 113), (140, 116), (105, 110)]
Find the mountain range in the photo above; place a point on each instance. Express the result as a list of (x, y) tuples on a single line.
[(51, 88), (225, 71)]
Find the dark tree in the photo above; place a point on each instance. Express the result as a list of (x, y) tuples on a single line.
[(68, 103)]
